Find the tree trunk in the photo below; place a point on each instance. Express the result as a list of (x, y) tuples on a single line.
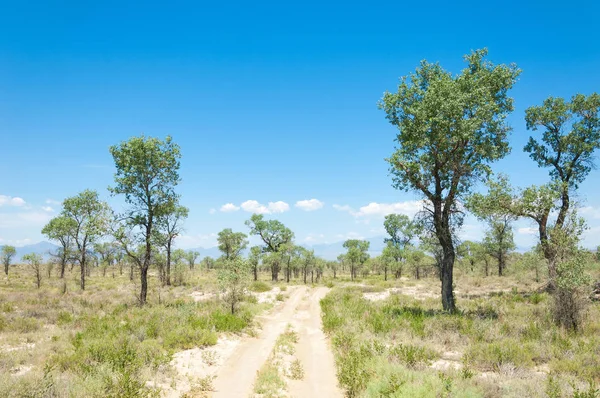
[(82, 266), (305, 274), (334, 274), (144, 284), (6, 267), (168, 276), (385, 273), (444, 235), (255, 270), (312, 276)]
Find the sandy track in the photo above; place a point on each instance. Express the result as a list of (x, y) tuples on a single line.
[(313, 351), (302, 310), (236, 377)]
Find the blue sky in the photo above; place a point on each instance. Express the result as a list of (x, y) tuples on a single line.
[(270, 102)]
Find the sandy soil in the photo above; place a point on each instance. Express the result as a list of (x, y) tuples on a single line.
[(236, 377), (313, 351), (234, 362)]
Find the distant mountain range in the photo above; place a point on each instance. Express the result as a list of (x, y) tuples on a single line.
[(43, 248), (328, 251)]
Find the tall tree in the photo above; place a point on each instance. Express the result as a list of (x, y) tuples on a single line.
[(356, 254), (169, 226), (571, 134), (231, 244), (450, 129), (147, 174), (8, 252), (61, 229), (90, 217), (274, 235)]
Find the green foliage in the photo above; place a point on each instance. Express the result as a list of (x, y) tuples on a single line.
[(260, 287), (272, 232), (356, 254), (231, 243), (450, 128), (6, 255), (147, 174), (234, 277)]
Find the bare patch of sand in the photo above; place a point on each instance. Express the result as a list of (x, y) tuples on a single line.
[(190, 366)]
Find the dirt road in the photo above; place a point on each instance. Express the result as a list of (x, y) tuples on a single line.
[(237, 375), (313, 351)]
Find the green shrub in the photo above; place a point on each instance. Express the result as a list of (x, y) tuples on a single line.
[(24, 325), (410, 355), (260, 287)]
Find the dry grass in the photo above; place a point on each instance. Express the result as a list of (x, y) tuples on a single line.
[(502, 343), (99, 342)]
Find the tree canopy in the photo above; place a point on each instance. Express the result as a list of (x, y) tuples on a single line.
[(450, 128)]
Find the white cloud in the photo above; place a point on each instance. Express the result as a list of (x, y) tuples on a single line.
[(374, 209), (16, 242), (309, 204), (253, 206), (52, 202), (24, 219), (527, 231), (409, 208), (278, 207), (11, 201), (229, 207), (48, 209)]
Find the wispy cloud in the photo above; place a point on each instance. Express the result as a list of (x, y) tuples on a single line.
[(375, 209), (229, 207), (15, 201), (309, 204)]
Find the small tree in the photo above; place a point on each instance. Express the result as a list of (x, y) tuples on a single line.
[(234, 277), (8, 252), (169, 227), (34, 261), (498, 242), (499, 237), (61, 229), (90, 218), (334, 266), (356, 255), (274, 234), (191, 257), (307, 261), (401, 230), (532, 260), (231, 244), (254, 260), (450, 129)]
